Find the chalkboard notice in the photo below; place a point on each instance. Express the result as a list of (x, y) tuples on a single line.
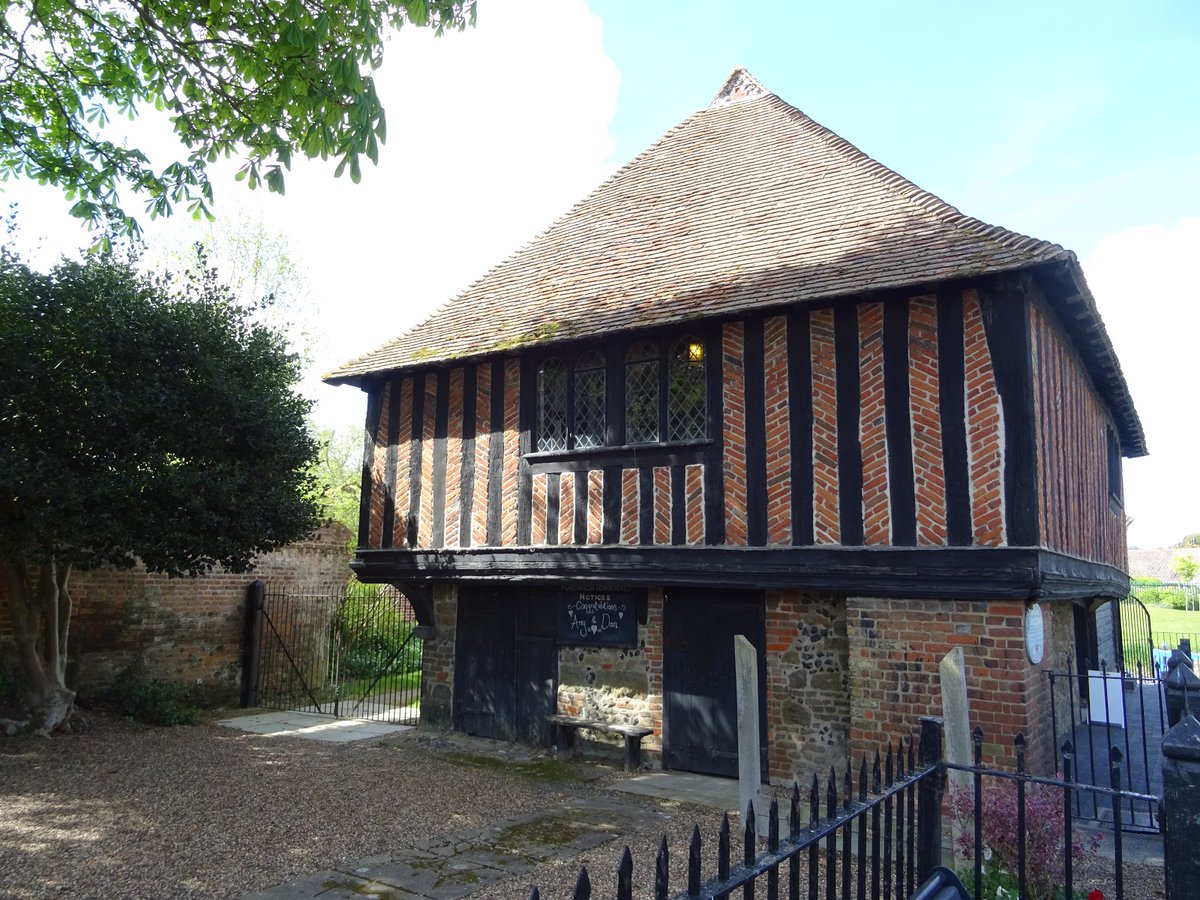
[(598, 618)]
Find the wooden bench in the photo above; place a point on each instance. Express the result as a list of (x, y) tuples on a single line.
[(567, 726)]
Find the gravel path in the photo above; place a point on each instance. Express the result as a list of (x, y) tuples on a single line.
[(207, 811)]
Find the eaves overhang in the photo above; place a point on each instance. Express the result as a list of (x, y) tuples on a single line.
[(947, 573)]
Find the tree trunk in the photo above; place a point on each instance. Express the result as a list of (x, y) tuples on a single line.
[(40, 614)]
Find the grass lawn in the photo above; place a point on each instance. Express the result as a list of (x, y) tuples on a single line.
[(1163, 618), (388, 684)]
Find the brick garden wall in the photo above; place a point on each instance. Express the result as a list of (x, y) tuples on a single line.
[(181, 629), (894, 650)]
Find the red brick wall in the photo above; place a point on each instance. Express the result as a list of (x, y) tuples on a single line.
[(895, 647), (425, 513), (512, 451), (985, 434), (538, 504), (826, 517), (595, 506), (183, 629), (929, 480), (694, 486), (401, 489), (734, 438), (483, 444), (778, 432), (629, 506), (876, 502), (662, 505), (454, 460), (378, 468), (566, 508)]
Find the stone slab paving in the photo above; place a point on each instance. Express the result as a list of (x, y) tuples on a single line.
[(313, 726), (457, 865)]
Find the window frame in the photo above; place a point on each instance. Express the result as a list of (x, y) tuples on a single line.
[(615, 370)]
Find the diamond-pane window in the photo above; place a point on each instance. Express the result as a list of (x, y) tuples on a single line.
[(552, 405), (686, 412), (641, 394), (589, 400)]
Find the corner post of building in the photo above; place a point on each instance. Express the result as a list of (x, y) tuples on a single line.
[(929, 797), (1180, 821), (256, 593)]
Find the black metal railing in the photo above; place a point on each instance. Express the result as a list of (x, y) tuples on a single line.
[(882, 837), (352, 653), (1006, 832), (1099, 708)]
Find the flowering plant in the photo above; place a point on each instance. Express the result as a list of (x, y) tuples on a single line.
[(1044, 845)]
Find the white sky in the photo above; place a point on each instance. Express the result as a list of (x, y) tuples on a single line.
[(494, 133)]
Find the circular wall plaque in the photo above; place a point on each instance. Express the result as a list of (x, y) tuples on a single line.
[(1035, 633)]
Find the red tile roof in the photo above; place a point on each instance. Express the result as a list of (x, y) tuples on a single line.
[(744, 205)]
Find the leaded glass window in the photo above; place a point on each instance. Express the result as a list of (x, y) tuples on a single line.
[(641, 394), (552, 405), (686, 411), (589, 400)]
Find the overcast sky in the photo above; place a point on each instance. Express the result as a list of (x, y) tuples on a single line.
[(1073, 122)]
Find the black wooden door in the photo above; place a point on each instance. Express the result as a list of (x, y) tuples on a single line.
[(485, 667), (699, 681), (505, 665)]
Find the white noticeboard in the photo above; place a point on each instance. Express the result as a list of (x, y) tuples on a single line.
[(1098, 712)]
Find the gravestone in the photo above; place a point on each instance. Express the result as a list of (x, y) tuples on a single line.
[(745, 661), (956, 713)]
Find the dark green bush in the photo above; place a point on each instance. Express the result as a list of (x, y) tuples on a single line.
[(373, 637), (153, 702)]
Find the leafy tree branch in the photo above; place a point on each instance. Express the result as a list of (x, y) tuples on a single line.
[(265, 80)]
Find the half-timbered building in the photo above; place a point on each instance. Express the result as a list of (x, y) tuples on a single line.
[(755, 383)]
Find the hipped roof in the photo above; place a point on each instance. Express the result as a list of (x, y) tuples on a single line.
[(745, 205)]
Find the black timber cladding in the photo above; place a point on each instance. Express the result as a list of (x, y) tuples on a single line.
[(948, 573), (952, 399), (756, 433), (1006, 315)]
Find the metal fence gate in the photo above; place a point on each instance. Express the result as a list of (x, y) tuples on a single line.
[(1097, 708), (351, 654)]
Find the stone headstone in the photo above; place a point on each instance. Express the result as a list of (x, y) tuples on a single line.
[(956, 713), (745, 662)]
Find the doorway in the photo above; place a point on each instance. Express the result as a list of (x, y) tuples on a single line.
[(505, 665), (699, 686)]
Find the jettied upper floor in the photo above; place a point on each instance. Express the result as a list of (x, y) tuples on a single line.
[(756, 357)]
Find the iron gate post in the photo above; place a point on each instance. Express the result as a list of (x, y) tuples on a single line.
[(929, 798), (256, 593), (1180, 822)]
